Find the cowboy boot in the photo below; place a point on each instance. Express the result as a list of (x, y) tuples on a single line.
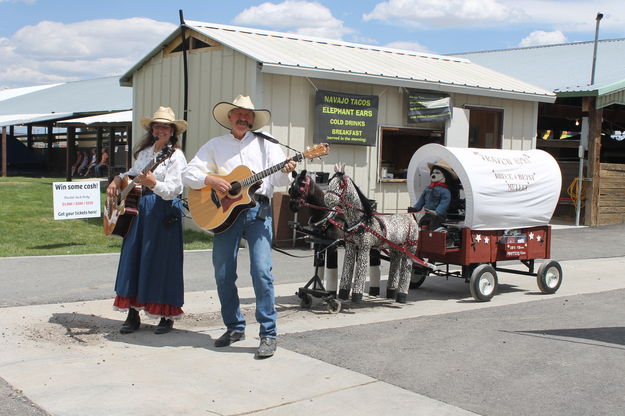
[(132, 322)]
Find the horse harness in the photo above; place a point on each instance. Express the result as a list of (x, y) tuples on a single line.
[(362, 225)]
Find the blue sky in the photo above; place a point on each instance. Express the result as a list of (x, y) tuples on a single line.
[(49, 41)]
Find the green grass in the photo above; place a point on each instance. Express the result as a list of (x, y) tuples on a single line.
[(28, 227)]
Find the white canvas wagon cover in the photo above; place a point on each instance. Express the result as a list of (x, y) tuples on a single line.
[(503, 189)]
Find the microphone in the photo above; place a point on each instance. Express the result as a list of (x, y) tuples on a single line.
[(266, 136), (272, 139)]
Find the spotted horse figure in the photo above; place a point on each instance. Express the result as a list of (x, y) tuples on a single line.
[(366, 229), (325, 229)]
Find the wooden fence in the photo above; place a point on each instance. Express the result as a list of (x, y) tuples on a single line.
[(611, 194)]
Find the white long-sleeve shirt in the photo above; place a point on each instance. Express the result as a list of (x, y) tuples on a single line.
[(167, 174), (222, 154)]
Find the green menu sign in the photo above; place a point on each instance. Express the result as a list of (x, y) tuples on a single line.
[(345, 118), (424, 107)]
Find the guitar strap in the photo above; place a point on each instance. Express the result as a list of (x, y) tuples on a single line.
[(264, 209), (263, 149)]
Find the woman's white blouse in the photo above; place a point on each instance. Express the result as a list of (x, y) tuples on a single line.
[(167, 173)]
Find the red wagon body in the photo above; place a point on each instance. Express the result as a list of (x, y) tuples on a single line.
[(486, 246)]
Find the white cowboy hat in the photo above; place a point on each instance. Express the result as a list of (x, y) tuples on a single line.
[(221, 110), (164, 115), (443, 165)]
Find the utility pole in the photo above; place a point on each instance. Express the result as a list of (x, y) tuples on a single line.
[(595, 119), (594, 53)]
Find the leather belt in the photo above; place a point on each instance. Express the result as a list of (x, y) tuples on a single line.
[(261, 198)]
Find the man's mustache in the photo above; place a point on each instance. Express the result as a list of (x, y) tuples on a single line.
[(245, 123)]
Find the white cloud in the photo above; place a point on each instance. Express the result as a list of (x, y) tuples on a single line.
[(563, 15), (540, 37), (302, 17), (574, 15), (411, 46), (58, 52), (443, 13)]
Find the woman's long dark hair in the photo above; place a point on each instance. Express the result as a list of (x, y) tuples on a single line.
[(149, 140)]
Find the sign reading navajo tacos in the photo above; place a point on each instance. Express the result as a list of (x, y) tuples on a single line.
[(426, 106), (345, 118)]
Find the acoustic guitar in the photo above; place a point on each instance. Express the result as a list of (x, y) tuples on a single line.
[(120, 210), (215, 211)]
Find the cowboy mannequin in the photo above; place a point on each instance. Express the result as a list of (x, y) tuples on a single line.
[(435, 199), (219, 156)]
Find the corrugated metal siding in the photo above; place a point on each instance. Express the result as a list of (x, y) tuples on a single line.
[(519, 118), (216, 76), (609, 99), (156, 84), (291, 100)]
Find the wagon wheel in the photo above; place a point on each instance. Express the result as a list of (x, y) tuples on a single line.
[(549, 276), (483, 283), (305, 300), (417, 276), (334, 305)]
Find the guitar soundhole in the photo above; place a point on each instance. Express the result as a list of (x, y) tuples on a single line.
[(236, 188)]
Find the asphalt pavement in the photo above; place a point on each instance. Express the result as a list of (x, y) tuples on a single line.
[(522, 353)]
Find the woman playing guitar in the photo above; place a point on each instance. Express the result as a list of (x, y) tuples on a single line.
[(150, 275)]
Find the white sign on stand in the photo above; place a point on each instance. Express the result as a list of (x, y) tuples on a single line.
[(74, 200)]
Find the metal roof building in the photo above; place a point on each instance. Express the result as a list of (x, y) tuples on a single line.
[(289, 54), (565, 69), (47, 105), (288, 74), (60, 101)]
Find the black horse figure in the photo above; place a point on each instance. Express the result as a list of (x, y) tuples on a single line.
[(304, 191)]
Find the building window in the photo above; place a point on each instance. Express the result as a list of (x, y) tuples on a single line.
[(397, 145)]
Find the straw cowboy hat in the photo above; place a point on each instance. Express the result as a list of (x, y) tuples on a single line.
[(443, 165), (164, 115), (221, 110)]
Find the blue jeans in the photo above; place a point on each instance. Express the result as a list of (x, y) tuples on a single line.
[(258, 233), (99, 170)]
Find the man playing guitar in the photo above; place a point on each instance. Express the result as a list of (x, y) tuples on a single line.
[(220, 156)]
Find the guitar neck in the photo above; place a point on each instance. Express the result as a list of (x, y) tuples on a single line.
[(260, 175), (132, 183)]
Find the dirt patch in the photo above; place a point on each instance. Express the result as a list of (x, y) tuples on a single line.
[(80, 329), (71, 329)]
